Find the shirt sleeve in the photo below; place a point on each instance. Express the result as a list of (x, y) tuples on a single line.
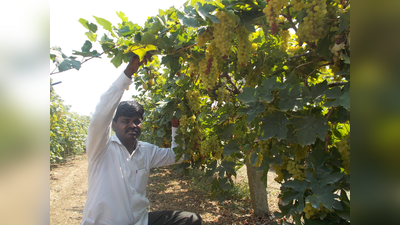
[(100, 124), (165, 156)]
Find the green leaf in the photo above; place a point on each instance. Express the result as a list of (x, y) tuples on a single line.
[(205, 11), (125, 31), (122, 16), (117, 60), (231, 148), (253, 110), (253, 158), (91, 36), (172, 62), (106, 24), (326, 197), (290, 98), (86, 46), (148, 38), (317, 91), (92, 27), (301, 15), (333, 97), (346, 59), (345, 100), (155, 27), (228, 131), (248, 95), (344, 22), (274, 125), (309, 128), (323, 48)]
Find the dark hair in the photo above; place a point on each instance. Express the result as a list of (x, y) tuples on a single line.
[(129, 109)]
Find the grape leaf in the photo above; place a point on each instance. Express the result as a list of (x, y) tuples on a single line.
[(344, 22), (323, 48), (106, 24), (290, 97), (227, 131), (253, 110), (122, 16), (317, 91), (249, 95), (90, 26), (326, 197), (205, 11), (231, 148), (253, 158), (117, 60), (274, 125), (309, 128)]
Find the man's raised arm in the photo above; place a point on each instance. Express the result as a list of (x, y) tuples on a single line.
[(100, 124)]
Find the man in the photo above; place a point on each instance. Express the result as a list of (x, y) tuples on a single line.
[(119, 165)]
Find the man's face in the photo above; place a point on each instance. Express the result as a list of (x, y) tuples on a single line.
[(128, 128)]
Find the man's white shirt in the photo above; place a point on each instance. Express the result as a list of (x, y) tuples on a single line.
[(117, 180)]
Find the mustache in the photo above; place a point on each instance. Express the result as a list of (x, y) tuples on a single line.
[(132, 129)]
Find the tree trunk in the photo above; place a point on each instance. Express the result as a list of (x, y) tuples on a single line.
[(258, 192)]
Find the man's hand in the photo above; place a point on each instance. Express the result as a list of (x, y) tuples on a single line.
[(134, 64), (175, 122)]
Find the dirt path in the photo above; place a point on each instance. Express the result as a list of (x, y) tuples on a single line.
[(166, 191)]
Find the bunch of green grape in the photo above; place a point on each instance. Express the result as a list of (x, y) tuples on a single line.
[(251, 78), (285, 37), (344, 149), (204, 38), (312, 27), (224, 32), (209, 71), (296, 168), (300, 151), (193, 97), (193, 68), (211, 145), (264, 148), (222, 95), (278, 169), (272, 11), (311, 211), (298, 5), (183, 123), (244, 46)]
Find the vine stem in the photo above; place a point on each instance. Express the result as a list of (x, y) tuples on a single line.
[(305, 81), (229, 79), (327, 133), (84, 61)]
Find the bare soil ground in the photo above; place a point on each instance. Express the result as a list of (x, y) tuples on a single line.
[(166, 191)]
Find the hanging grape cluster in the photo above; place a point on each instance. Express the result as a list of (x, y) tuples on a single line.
[(222, 95), (272, 11), (193, 97), (313, 212), (312, 27), (296, 168), (202, 39), (224, 32), (264, 148), (211, 145), (244, 46), (344, 149), (278, 169), (209, 72), (285, 37)]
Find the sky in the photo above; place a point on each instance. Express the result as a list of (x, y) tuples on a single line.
[(82, 89)]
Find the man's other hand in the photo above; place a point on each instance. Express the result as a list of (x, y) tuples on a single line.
[(134, 64), (175, 122)]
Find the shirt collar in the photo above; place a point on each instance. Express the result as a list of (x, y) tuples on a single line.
[(116, 139)]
